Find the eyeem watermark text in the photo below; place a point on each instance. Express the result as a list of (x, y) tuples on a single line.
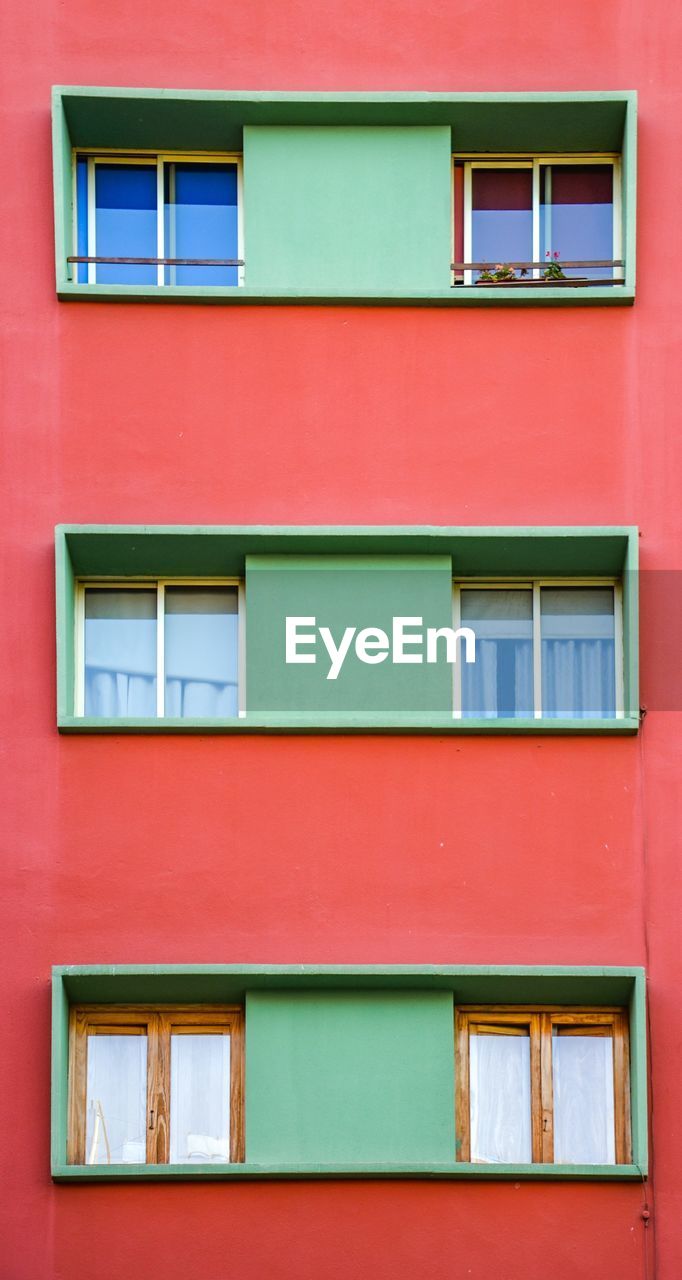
[(409, 642)]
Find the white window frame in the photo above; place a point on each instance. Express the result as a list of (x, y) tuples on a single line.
[(535, 585), (159, 159), (510, 161), (159, 584)]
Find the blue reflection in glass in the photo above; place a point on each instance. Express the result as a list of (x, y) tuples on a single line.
[(125, 211), (201, 651), (501, 216), (499, 684), (120, 652), (578, 653), (201, 221), (576, 216), (82, 218)]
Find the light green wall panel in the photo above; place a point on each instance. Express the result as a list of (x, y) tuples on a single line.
[(350, 1076), (341, 592), (359, 208)]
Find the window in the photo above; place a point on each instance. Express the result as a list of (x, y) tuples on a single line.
[(157, 1085), (159, 649), (552, 220), (542, 1085), (543, 650), (157, 220)]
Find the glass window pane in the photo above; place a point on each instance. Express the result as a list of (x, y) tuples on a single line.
[(584, 1120), (578, 652), (200, 1099), (201, 220), (499, 1091), (500, 682), (125, 220), (576, 215), (501, 215), (201, 651), (116, 1100), (120, 652)]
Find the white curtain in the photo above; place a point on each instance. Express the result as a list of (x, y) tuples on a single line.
[(120, 652), (499, 1091), (578, 679), (116, 1100), (578, 652), (500, 682), (584, 1131), (111, 694), (201, 637), (200, 1099), (483, 695)]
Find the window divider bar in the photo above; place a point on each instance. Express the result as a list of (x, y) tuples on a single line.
[(92, 218), (79, 649), (160, 649), (619, 647), (457, 666), (536, 217), (241, 649), (537, 653), (544, 1031), (467, 222), (160, 220)]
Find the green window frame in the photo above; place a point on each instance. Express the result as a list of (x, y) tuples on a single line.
[(376, 134), (367, 1056), (136, 554)]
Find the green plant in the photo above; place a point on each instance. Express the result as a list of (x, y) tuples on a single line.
[(501, 272), (553, 270)]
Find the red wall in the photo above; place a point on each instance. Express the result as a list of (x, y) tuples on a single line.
[(333, 850)]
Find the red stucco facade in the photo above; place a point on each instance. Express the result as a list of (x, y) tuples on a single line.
[(329, 849)]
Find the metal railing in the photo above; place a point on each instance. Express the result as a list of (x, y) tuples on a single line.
[(538, 279), (159, 262)]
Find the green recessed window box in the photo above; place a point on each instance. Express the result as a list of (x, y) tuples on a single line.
[(240, 198), (345, 1071), (357, 629)]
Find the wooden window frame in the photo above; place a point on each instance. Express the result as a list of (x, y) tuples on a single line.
[(539, 1020), (158, 585), (157, 1022)]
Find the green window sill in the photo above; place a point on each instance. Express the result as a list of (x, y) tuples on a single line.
[(360, 723), (287, 1172), (597, 295)]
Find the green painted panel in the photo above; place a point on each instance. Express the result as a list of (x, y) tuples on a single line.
[(535, 551), (594, 296), (469, 984), (65, 592), (359, 208), (349, 1077), (214, 119), (341, 593), (346, 1172)]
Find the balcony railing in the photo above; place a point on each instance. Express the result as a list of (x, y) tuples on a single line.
[(160, 262), (528, 274), (532, 274)]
